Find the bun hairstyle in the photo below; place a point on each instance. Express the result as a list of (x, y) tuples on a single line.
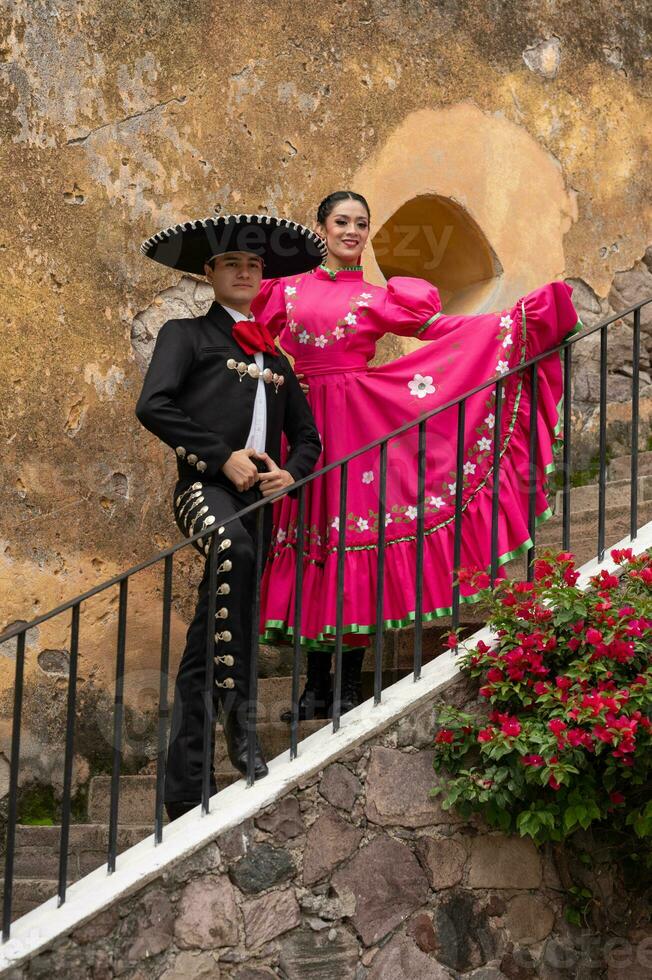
[(329, 203)]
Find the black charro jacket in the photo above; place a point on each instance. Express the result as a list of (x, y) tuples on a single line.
[(193, 402)]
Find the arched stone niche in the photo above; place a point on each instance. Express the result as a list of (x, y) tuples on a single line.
[(499, 190), (435, 238)]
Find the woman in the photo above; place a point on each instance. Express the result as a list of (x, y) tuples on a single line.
[(329, 321)]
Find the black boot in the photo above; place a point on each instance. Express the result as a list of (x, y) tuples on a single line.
[(177, 809), (317, 694), (237, 740), (351, 681)]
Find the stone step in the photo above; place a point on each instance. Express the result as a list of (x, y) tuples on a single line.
[(27, 893), (617, 493), (620, 467), (137, 798), (138, 793), (584, 529), (37, 849)]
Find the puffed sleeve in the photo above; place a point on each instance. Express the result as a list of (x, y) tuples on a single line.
[(549, 316), (269, 305), (411, 308)]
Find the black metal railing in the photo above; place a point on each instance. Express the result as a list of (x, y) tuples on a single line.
[(74, 606)]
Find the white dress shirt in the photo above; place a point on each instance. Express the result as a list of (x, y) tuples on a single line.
[(257, 437)]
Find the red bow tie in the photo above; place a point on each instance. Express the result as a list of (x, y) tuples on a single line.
[(253, 337)]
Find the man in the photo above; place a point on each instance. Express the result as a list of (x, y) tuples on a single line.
[(220, 394)]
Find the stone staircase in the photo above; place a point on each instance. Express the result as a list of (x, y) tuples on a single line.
[(36, 867)]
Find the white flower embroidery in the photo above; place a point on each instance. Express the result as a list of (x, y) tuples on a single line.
[(484, 443), (290, 306), (290, 290), (469, 469), (338, 332), (303, 337), (368, 477), (507, 342), (363, 525), (335, 523), (351, 318), (490, 420), (411, 513), (436, 502), (502, 367), (366, 295), (506, 321), (452, 487), (281, 535), (320, 341), (421, 386), (388, 519)]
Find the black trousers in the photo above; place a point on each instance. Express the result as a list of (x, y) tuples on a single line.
[(193, 505)]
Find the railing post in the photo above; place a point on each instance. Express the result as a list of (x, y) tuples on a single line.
[(163, 707), (421, 511), (339, 628), (566, 514), (298, 619), (69, 754), (118, 714), (13, 785), (532, 470), (209, 676), (380, 575), (252, 707), (459, 486), (602, 473), (636, 358), (495, 488)]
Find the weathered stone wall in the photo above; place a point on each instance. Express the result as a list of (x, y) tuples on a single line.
[(359, 874), (116, 120)]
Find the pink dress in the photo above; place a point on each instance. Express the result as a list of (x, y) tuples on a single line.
[(330, 326)]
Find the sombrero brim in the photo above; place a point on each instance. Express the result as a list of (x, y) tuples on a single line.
[(285, 247)]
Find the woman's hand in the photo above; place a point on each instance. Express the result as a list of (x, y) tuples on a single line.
[(304, 387)]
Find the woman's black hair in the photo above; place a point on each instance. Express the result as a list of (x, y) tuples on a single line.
[(329, 203)]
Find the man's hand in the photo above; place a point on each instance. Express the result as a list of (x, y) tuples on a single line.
[(275, 479), (240, 470)]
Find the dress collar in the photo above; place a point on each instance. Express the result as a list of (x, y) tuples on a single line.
[(352, 273)]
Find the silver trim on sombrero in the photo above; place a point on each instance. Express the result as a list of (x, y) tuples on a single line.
[(154, 240)]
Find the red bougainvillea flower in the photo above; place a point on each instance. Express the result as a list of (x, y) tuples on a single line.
[(570, 576), (578, 736), (622, 555), (511, 727), (553, 784), (536, 761), (445, 737), (543, 570), (593, 636), (486, 734), (451, 641), (557, 726), (616, 797)]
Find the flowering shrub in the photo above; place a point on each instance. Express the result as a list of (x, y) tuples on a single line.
[(565, 740)]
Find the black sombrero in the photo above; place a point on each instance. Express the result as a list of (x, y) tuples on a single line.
[(285, 247)]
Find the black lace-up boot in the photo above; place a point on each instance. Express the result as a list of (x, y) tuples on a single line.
[(351, 680), (317, 695)]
